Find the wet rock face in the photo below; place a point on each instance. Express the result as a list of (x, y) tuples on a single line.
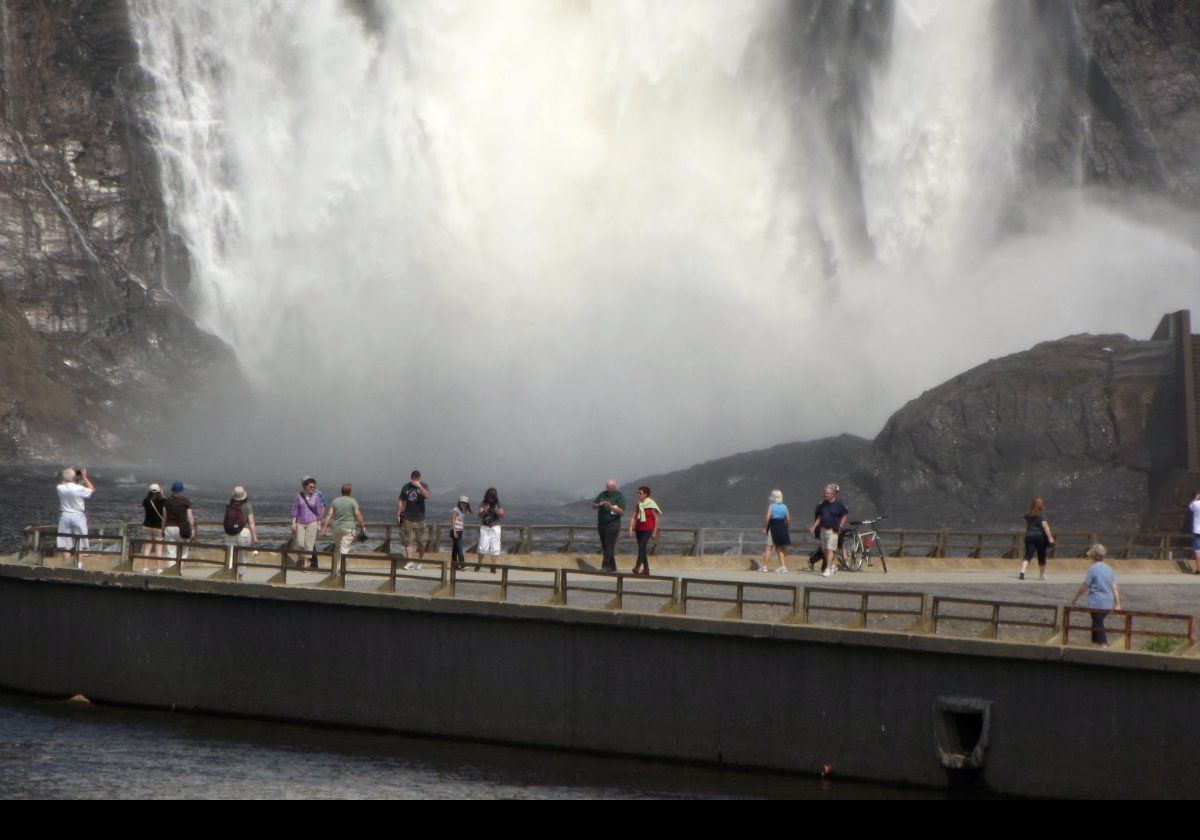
[(1067, 420), (94, 329), (1114, 87)]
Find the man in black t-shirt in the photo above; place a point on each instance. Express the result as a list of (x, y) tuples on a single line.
[(831, 516), (410, 513)]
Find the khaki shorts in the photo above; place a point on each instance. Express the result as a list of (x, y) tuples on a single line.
[(413, 533), (829, 538)]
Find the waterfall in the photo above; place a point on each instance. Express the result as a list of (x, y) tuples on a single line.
[(618, 236)]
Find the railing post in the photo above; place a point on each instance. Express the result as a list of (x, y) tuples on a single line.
[(504, 583), (698, 540), (1128, 632), (125, 564), (795, 600), (995, 621)]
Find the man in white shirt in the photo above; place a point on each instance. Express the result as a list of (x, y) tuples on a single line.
[(73, 488), (1194, 507)]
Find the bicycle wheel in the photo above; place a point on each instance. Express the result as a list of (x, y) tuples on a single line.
[(852, 557), (878, 546)]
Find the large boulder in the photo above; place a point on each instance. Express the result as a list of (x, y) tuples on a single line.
[(1067, 420)]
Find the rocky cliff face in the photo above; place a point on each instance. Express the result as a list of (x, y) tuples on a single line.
[(1083, 422), (95, 341), (1115, 90), (1069, 420)]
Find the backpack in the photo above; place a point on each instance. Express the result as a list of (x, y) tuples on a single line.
[(235, 521)]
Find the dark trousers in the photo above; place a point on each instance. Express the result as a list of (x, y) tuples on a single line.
[(643, 541), (608, 544), (1099, 636), (456, 550), (1036, 545)]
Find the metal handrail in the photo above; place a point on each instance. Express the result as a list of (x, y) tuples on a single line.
[(1128, 630), (744, 541), (233, 560), (995, 620), (864, 610)]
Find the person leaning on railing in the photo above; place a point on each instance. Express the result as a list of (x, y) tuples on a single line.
[(181, 523)]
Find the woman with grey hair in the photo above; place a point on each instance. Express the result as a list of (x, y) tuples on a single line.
[(1100, 584), (775, 526)]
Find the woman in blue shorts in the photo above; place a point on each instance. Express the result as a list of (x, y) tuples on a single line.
[(776, 524)]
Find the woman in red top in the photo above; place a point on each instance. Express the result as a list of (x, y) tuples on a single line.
[(644, 526)]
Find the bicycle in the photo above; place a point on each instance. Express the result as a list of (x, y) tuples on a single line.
[(858, 545)]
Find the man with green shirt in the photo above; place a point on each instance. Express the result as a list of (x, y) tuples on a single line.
[(609, 506), (346, 517)]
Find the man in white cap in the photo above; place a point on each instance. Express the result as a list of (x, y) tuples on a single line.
[(74, 487)]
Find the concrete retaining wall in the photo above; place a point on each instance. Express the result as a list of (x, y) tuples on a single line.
[(1059, 722)]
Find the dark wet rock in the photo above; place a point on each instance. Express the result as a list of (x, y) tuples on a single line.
[(1085, 422), (740, 483), (1114, 91), (1066, 420), (97, 341)]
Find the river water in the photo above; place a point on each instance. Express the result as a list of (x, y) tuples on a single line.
[(74, 749)]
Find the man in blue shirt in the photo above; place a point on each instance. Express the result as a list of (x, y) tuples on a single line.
[(831, 516)]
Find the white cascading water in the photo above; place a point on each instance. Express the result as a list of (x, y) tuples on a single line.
[(540, 242)]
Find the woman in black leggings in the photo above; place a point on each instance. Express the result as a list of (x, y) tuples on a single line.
[(1038, 536)]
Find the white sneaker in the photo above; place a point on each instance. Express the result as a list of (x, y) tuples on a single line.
[(763, 569), (1043, 577), (416, 566), (408, 567), (782, 570), (827, 573)]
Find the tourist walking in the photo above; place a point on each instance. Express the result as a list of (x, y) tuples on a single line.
[(609, 505), (74, 488), (458, 523), (308, 507), (644, 528), (346, 517), (830, 519), (153, 522), (410, 515), (1100, 584), (777, 526), (490, 514), (1038, 537), (1194, 507), (181, 523), (240, 529)]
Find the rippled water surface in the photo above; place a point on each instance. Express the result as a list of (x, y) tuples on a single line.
[(72, 749)]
